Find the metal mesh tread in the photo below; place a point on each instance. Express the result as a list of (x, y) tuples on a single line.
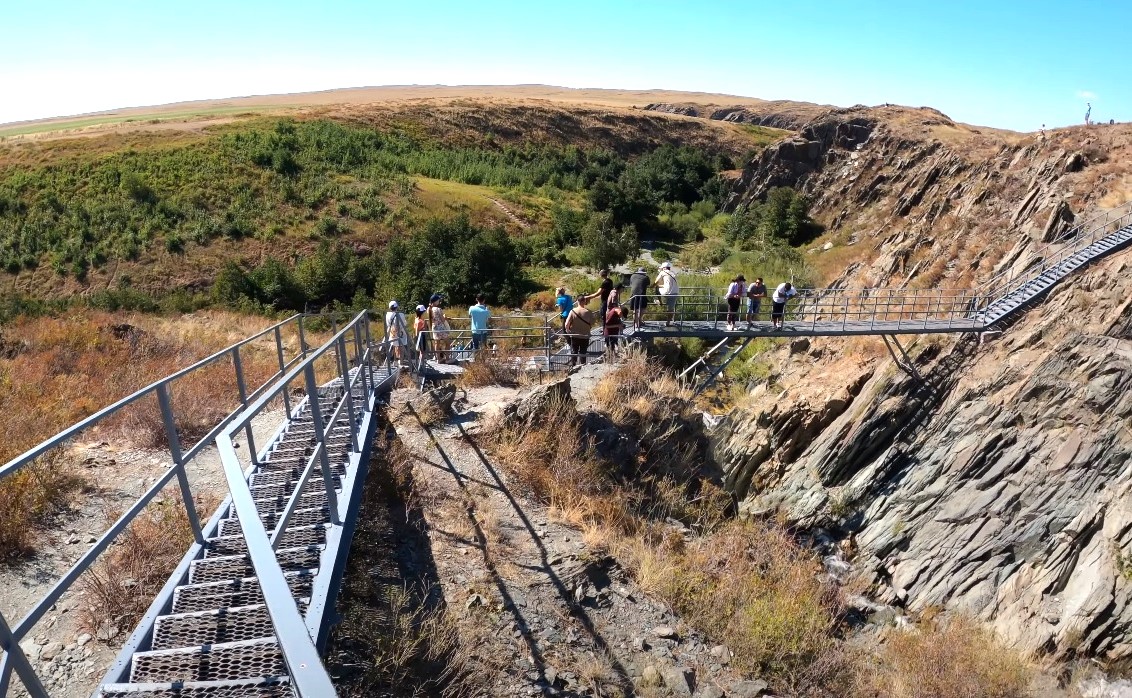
[(227, 624), (242, 591), (224, 661), (310, 500), (300, 517), (218, 569), (290, 538), (267, 687)]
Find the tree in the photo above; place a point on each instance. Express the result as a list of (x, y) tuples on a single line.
[(604, 243)]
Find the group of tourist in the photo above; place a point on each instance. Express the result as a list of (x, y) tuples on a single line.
[(578, 320), (432, 323)]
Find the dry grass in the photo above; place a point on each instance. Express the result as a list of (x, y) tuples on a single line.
[(954, 657), (54, 371), (752, 586), (120, 586)]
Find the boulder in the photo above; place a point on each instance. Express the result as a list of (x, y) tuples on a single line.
[(538, 402)]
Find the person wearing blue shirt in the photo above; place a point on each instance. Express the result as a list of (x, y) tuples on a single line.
[(565, 304), (479, 314)]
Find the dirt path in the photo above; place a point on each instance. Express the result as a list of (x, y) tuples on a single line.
[(561, 618)]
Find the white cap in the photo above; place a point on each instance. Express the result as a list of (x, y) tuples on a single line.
[(393, 305), (666, 265)]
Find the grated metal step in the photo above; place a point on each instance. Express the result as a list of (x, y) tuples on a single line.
[(290, 538), (241, 591), (215, 626), (268, 687), (215, 569), (225, 661)]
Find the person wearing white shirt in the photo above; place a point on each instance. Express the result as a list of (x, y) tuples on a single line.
[(669, 290), (783, 293), (395, 331)]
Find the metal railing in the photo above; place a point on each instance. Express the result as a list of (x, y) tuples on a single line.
[(352, 357), (1051, 254), (14, 659), (828, 309)]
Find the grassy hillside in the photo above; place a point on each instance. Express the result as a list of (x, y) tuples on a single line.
[(127, 216)]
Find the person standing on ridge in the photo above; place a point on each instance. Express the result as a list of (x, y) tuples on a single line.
[(638, 295), (579, 325), (783, 293), (669, 289), (564, 303), (735, 293), (755, 295), (1089, 113), (396, 333), (479, 314)]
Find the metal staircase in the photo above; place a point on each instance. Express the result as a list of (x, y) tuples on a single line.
[(1016, 296)]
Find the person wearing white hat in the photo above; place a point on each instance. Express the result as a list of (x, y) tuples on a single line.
[(669, 289), (395, 331)]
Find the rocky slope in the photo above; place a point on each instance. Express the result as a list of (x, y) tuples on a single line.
[(999, 484)]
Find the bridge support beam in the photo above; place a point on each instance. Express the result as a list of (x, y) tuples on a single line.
[(719, 369), (905, 362)]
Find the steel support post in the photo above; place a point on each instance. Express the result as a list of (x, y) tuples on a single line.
[(302, 338), (320, 435), (14, 658), (243, 388), (347, 392), (166, 404), (282, 369)]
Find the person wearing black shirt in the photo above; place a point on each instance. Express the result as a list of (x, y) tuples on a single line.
[(638, 295), (755, 295), (603, 291)]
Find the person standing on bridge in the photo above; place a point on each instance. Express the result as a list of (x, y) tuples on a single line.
[(564, 303), (638, 295), (440, 329), (579, 326), (420, 325), (396, 333), (783, 293), (755, 295), (479, 314), (735, 293), (669, 289), (613, 322), (602, 292)]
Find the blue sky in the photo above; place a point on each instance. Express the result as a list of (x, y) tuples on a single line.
[(1002, 63)]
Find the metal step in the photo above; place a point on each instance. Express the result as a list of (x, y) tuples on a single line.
[(290, 538), (242, 591), (267, 687), (216, 626), (300, 517), (224, 661), (218, 569)]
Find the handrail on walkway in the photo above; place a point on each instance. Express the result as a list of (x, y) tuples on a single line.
[(14, 659), (297, 637)]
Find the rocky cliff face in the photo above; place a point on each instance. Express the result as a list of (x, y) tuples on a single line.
[(999, 481)]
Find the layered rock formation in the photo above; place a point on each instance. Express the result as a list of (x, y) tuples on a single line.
[(999, 480)]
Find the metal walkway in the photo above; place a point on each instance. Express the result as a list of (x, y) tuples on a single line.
[(248, 610), (703, 313)]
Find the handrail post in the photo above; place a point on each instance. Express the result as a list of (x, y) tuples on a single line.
[(166, 404), (347, 392), (282, 369), (320, 436), (14, 658), (302, 338), (363, 365), (243, 388)]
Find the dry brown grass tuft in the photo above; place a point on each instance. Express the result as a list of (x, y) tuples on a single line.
[(54, 371), (953, 657), (31, 497), (752, 586), (120, 586)]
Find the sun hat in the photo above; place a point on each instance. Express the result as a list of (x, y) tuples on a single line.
[(421, 308), (393, 305), (666, 265)]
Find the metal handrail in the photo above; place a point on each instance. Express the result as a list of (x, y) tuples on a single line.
[(10, 637), (294, 634)]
